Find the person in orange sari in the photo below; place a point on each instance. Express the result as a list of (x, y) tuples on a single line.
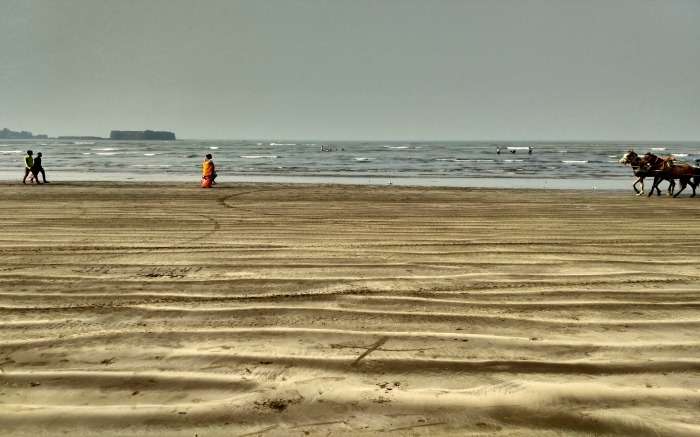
[(208, 172)]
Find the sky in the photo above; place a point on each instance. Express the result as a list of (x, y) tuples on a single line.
[(354, 69)]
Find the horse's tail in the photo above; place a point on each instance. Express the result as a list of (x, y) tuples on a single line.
[(696, 173)]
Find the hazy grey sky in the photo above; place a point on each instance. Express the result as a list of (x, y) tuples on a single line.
[(354, 69)]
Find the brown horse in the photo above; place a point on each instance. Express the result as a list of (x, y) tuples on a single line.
[(685, 173), (645, 166)]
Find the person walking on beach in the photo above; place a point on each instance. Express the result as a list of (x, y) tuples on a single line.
[(28, 166), (213, 170), (208, 171), (37, 168)]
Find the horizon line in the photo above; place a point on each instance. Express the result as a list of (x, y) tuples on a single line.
[(365, 140)]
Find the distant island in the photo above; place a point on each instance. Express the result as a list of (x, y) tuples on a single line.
[(7, 134), (154, 135), (141, 135)]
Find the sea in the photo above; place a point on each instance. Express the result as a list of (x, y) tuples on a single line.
[(586, 166)]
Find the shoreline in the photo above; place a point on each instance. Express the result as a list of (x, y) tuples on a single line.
[(578, 184)]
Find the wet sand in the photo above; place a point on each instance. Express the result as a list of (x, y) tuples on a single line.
[(343, 310)]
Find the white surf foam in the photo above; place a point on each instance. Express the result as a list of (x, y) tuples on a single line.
[(575, 162), (473, 160), (465, 160), (258, 156)]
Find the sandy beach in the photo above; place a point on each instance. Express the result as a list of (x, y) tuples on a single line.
[(293, 310)]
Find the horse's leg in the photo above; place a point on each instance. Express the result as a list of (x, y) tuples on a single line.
[(634, 186), (654, 186), (684, 183), (671, 187)]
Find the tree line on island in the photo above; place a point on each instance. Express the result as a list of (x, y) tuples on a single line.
[(7, 134)]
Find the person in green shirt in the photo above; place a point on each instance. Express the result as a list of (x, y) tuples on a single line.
[(28, 165)]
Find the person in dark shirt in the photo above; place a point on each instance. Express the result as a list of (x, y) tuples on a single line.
[(38, 168)]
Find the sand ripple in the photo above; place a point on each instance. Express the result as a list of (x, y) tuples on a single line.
[(299, 310)]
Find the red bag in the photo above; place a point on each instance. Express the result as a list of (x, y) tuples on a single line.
[(206, 182)]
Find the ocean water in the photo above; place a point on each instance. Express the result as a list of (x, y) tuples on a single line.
[(556, 165)]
